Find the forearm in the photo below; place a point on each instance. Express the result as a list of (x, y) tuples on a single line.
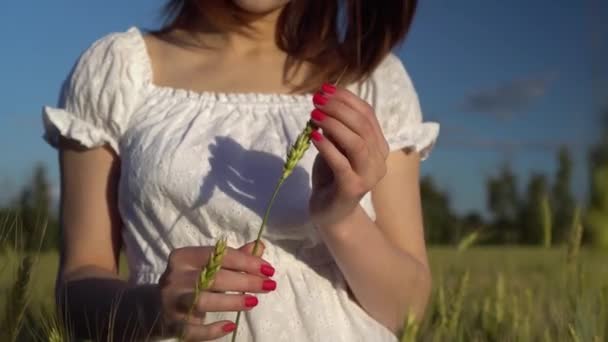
[(100, 306), (386, 281)]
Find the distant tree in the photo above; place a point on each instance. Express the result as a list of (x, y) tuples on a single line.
[(531, 220), (473, 221), (563, 201), (441, 226), (598, 155), (503, 204), (34, 213), (597, 212)]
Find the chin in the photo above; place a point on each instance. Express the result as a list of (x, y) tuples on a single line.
[(260, 6)]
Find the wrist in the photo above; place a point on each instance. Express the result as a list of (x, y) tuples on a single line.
[(341, 229)]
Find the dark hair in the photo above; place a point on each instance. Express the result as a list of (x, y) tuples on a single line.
[(331, 35)]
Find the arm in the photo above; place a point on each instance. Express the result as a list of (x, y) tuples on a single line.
[(384, 262), (87, 283), (391, 277)]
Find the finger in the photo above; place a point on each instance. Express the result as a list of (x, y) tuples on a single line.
[(222, 302), (215, 302), (248, 248), (336, 161), (353, 145), (358, 105), (346, 96), (226, 280), (208, 332), (354, 120), (189, 258), (195, 258), (241, 261)]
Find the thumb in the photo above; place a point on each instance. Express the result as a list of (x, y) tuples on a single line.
[(248, 248)]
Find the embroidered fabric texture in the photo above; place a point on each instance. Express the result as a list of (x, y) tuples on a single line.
[(199, 165)]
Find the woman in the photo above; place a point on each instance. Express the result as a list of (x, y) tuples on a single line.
[(171, 139)]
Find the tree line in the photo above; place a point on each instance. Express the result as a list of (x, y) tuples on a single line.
[(542, 214)]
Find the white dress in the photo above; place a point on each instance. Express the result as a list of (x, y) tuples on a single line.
[(199, 165)]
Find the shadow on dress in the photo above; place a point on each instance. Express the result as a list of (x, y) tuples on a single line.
[(249, 178)]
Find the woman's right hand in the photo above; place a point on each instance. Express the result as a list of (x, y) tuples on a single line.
[(240, 272)]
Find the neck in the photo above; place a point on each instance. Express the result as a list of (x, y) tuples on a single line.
[(258, 34)]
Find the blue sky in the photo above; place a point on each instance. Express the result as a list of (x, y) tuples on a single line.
[(508, 81)]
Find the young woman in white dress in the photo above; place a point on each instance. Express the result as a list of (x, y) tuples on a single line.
[(171, 139)]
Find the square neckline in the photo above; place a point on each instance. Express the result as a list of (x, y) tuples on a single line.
[(220, 96)]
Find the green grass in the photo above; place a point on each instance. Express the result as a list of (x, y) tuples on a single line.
[(511, 294)]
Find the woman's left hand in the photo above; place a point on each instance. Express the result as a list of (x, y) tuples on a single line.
[(352, 154)]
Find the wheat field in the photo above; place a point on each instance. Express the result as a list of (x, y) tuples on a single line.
[(480, 294)]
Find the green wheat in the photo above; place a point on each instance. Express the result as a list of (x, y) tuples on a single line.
[(468, 241), (546, 220), (576, 234), (206, 276), (410, 329)]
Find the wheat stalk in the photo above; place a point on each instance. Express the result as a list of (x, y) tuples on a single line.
[(206, 276), (54, 335), (499, 305), (294, 155), (457, 304), (574, 243), (468, 241), (410, 330), (573, 334), (545, 207)]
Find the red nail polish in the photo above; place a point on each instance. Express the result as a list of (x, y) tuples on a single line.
[(316, 136), (229, 327), (267, 270), (328, 88), (317, 115), (251, 301), (319, 99), (269, 285)]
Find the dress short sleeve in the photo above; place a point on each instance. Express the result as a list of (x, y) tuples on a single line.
[(97, 96), (391, 92)]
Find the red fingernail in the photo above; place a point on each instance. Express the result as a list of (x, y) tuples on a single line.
[(319, 99), (317, 115), (316, 136), (251, 301), (267, 270), (328, 88), (269, 285), (229, 327)]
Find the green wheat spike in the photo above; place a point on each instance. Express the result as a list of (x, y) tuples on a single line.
[(574, 243), (468, 241), (546, 221), (207, 275), (296, 152), (410, 330), (457, 305)]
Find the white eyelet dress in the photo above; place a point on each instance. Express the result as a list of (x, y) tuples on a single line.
[(198, 166)]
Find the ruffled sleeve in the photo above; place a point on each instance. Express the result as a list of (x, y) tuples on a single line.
[(390, 91), (97, 97)]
